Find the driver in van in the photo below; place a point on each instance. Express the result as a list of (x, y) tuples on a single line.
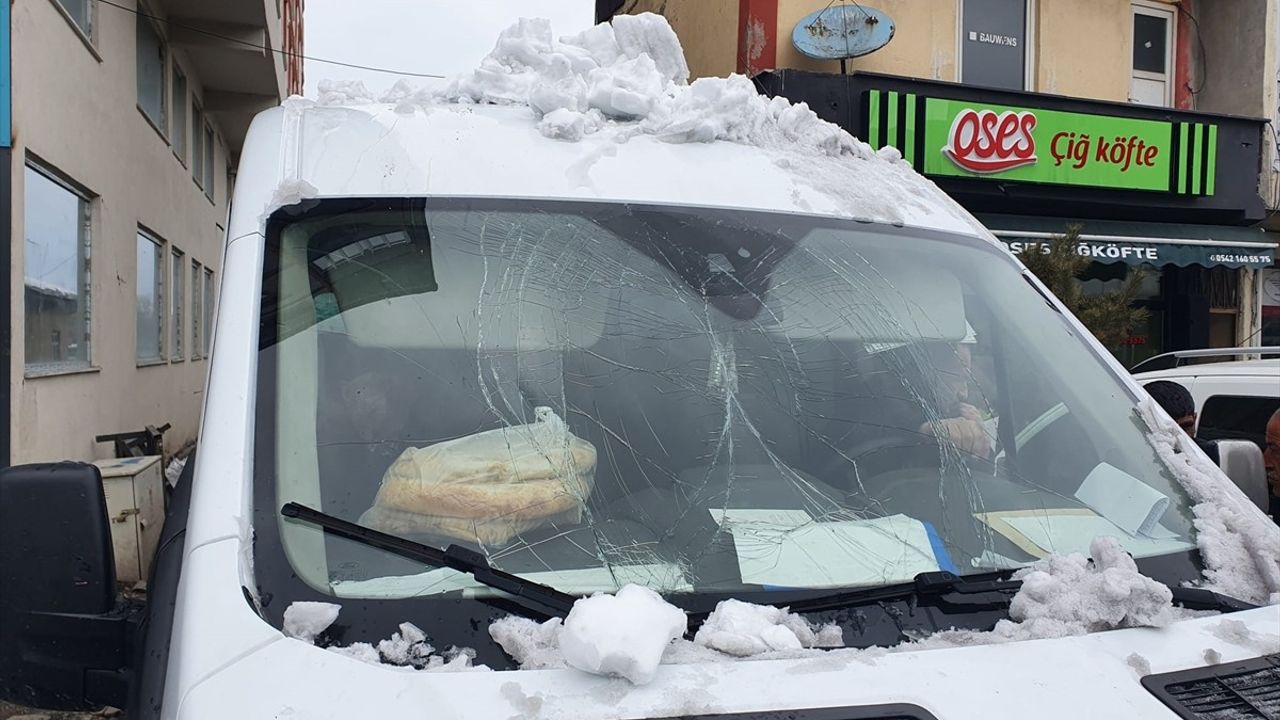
[(961, 421)]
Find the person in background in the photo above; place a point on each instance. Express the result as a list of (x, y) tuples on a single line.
[(1178, 403), (1271, 458), (1176, 400)]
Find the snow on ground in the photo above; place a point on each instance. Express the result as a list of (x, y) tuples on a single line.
[(1240, 545), (621, 635)]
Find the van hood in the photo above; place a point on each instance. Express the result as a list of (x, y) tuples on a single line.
[(1095, 675)]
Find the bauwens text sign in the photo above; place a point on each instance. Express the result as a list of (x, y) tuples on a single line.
[(956, 138)]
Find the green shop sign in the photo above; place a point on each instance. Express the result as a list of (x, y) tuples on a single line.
[(954, 138)]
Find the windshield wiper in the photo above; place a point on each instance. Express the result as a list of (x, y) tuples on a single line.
[(987, 591), (456, 557)]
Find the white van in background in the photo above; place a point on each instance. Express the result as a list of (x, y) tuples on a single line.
[(1234, 398), (477, 359)]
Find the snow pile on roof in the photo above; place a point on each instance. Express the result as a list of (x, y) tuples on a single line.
[(621, 635), (47, 288), (407, 648), (343, 92), (743, 629), (633, 69), (1240, 545)]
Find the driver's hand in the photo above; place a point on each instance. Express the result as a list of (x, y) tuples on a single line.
[(966, 432)]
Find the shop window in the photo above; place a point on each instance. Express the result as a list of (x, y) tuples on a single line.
[(207, 165), (197, 320), (55, 273), (995, 37), (152, 58), (197, 144), (80, 12), (177, 286), (150, 302), (179, 114), (1151, 81)]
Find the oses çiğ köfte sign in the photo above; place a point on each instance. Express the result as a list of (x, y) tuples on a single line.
[(954, 138)]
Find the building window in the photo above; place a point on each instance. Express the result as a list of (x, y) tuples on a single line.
[(208, 311), (197, 144), (150, 339), (179, 114), (152, 59), (995, 43), (1151, 80), (208, 161), (55, 274), (197, 318), (81, 14), (178, 275)]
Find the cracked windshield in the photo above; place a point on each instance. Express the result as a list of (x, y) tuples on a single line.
[(700, 401)]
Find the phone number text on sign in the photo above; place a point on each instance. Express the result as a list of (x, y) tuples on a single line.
[(1250, 259)]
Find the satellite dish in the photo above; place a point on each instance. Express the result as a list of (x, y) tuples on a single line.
[(839, 32)]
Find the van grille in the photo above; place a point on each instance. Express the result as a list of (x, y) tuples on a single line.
[(1247, 690)]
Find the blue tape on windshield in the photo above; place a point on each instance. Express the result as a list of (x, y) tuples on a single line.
[(939, 552)]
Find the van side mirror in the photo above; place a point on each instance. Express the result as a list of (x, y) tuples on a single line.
[(1241, 460), (65, 632)]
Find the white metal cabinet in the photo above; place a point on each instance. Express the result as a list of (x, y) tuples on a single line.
[(135, 506)]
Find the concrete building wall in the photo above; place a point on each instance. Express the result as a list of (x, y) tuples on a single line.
[(1234, 69), (75, 111), (1081, 48)]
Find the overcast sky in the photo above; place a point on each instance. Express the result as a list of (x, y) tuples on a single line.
[(427, 36)]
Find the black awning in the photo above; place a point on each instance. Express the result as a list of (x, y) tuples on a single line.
[(1143, 243)]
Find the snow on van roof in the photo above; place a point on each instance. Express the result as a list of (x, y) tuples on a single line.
[(606, 114)]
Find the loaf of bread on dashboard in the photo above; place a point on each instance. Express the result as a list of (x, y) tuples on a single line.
[(514, 477)]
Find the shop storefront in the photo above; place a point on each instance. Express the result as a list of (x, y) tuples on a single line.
[(1170, 191)]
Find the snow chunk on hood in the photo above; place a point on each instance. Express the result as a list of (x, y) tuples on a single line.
[(1072, 594), (534, 646), (1240, 545), (406, 649), (621, 635), (743, 629), (306, 620), (1237, 633)]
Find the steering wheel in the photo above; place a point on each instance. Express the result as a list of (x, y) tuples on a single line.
[(849, 458)]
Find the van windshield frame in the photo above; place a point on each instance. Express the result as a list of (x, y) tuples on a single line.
[(736, 293)]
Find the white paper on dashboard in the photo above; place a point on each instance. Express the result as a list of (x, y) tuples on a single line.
[(1074, 533), (787, 548), (659, 576), (1131, 504)]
